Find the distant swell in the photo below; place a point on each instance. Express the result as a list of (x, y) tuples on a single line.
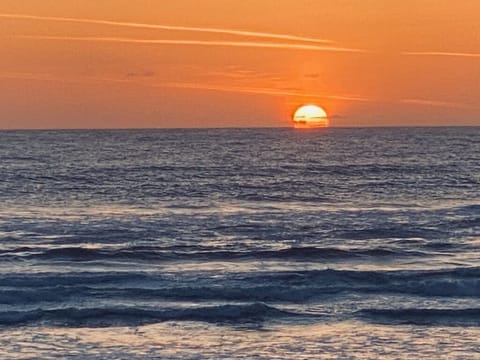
[(129, 316)]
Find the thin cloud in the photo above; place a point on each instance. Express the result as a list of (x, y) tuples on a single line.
[(440, 53), (142, 74), (249, 44), (47, 77), (51, 78), (167, 27), (179, 85), (24, 76), (435, 103), (264, 91)]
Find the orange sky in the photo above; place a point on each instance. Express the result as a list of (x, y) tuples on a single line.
[(216, 63)]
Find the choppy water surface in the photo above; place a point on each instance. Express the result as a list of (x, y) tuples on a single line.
[(267, 243)]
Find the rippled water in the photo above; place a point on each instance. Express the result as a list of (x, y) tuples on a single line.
[(265, 243)]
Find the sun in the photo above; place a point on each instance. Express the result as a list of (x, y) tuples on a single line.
[(310, 116)]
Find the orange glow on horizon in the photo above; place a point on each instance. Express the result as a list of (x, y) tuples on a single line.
[(70, 64)]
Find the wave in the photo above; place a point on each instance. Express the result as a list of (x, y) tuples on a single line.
[(397, 232), (146, 253), (283, 287), (133, 316), (468, 209), (230, 314), (462, 224), (417, 316), (49, 279)]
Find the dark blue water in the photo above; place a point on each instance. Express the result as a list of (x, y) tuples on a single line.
[(238, 233)]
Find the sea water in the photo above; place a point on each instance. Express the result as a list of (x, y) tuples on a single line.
[(240, 243)]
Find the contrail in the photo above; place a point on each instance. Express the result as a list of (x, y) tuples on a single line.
[(439, 53), (196, 42), (167, 27)]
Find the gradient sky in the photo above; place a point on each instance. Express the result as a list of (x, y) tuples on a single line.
[(221, 63)]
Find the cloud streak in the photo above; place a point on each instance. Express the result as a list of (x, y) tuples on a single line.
[(435, 103), (179, 85), (264, 91), (167, 27), (250, 44), (46, 77), (25, 76), (440, 53)]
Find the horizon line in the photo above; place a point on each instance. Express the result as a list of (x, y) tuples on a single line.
[(243, 128)]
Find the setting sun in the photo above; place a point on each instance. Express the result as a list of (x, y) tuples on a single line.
[(310, 116)]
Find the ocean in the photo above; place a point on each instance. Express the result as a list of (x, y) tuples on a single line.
[(240, 243)]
